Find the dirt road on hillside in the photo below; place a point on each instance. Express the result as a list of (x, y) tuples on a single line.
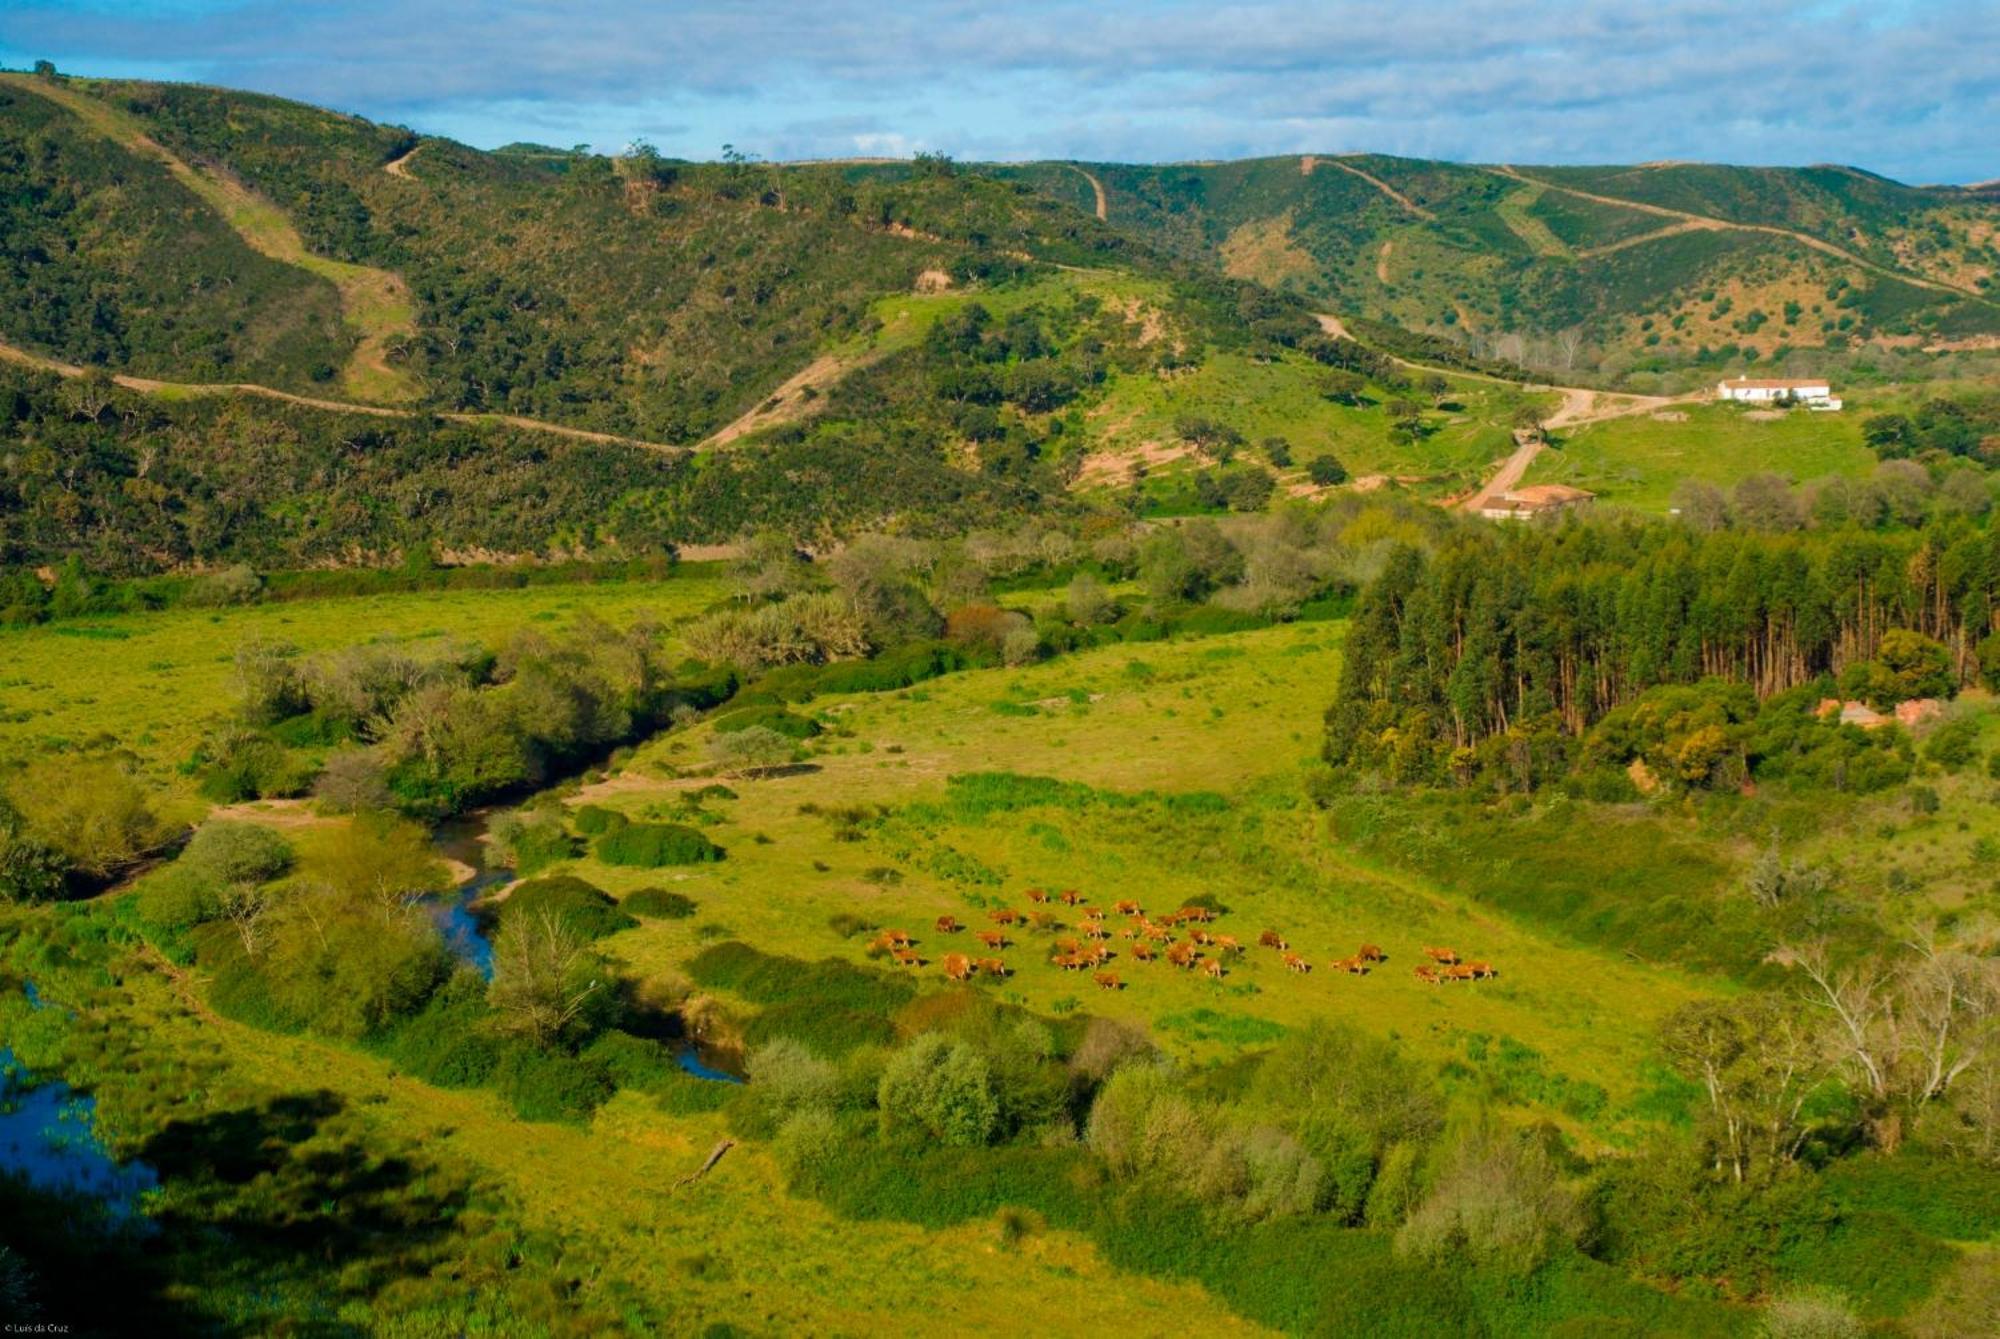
[(1097, 187), (1309, 162)]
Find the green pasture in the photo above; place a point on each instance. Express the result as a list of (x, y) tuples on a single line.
[(151, 683)]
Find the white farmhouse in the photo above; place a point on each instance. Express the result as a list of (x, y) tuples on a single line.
[(1813, 394)]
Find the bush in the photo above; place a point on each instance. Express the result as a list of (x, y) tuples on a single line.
[(786, 1078), (750, 750), (651, 845), (594, 820), (94, 814), (773, 718), (533, 841), (1325, 471), (941, 1087), (658, 904), (222, 856), (1953, 744), (1496, 1201), (808, 1145), (586, 908), (551, 1085), (827, 1029)]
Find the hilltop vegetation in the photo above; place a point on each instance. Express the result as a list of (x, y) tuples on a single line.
[(1585, 270)]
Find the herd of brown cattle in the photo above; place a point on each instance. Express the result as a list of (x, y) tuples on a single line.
[(1150, 940)]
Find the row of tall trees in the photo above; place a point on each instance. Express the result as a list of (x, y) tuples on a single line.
[(1494, 631)]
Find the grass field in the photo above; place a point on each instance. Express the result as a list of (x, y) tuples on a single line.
[(1130, 728), (152, 682), (1638, 461)]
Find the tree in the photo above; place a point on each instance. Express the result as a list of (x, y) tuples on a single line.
[(545, 976), (1278, 451), (94, 815), (1326, 470), (1435, 388), (382, 859), (1496, 1199), (30, 870), (1087, 602), (1766, 502), (941, 1087), (750, 750), (1342, 386), (1758, 1059), (1700, 505)]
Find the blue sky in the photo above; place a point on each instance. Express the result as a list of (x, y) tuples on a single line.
[(1908, 89)]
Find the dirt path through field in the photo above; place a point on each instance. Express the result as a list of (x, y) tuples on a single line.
[(183, 389), (1309, 162), (1672, 230), (795, 397), (1508, 475), (1704, 220), (375, 305), (1097, 188), (1382, 262)]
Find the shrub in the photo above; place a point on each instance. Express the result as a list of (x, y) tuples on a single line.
[(651, 845), (94, 814), (659, 904), (587, 909), (1326, 471), (1953, 744), (772, 718), (786, 1078), (531, 842), (354, 780), (1495, 1200), (750, 750), (221, 856), (594, 820), (828, 1029), (808, 1145), (941, 1087), (551, 1085)]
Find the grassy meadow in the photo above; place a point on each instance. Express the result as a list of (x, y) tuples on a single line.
[(151, 683)]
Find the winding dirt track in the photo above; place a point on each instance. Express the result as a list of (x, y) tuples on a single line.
[(150, 386), (400, 167), (1103, 206), (1706, 221), (1310, 161), (375, 304)]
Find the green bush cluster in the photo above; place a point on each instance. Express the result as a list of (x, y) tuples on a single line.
[(652, 845)]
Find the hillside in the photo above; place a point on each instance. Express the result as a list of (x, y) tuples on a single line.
[(1620, 270)]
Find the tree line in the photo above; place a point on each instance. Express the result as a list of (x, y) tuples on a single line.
[(1496, 637)]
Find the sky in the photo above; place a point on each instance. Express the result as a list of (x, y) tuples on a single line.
[(1902, 87)]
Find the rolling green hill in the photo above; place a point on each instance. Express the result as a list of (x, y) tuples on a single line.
[(1618, 270)]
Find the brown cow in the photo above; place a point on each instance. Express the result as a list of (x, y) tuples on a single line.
[(1296, 963), (1369, 953), (1460, 972), (1428, 975), (1447, 956), (1195, 913), (957, 966), (1214, 968), (1100, 954), (1069, 945), (1094, 914), (1142, 951), (948, 925), (1482, 970), (906, 957), (1201, 936), (1354, 966), (1037, 895), (898, 938), (1181, 955), (1071, 897), (1069, 962), (992, 938), (1227, 944), (1126, 908), (1107, 981), (1272, 939), (1094, 930), (1004, 916), (993, 966)]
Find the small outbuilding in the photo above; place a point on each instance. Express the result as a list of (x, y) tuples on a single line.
[(1525, 504), (1811, 392)]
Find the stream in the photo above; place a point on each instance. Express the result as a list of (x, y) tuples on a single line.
[(468, 929), (48, 1138)]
